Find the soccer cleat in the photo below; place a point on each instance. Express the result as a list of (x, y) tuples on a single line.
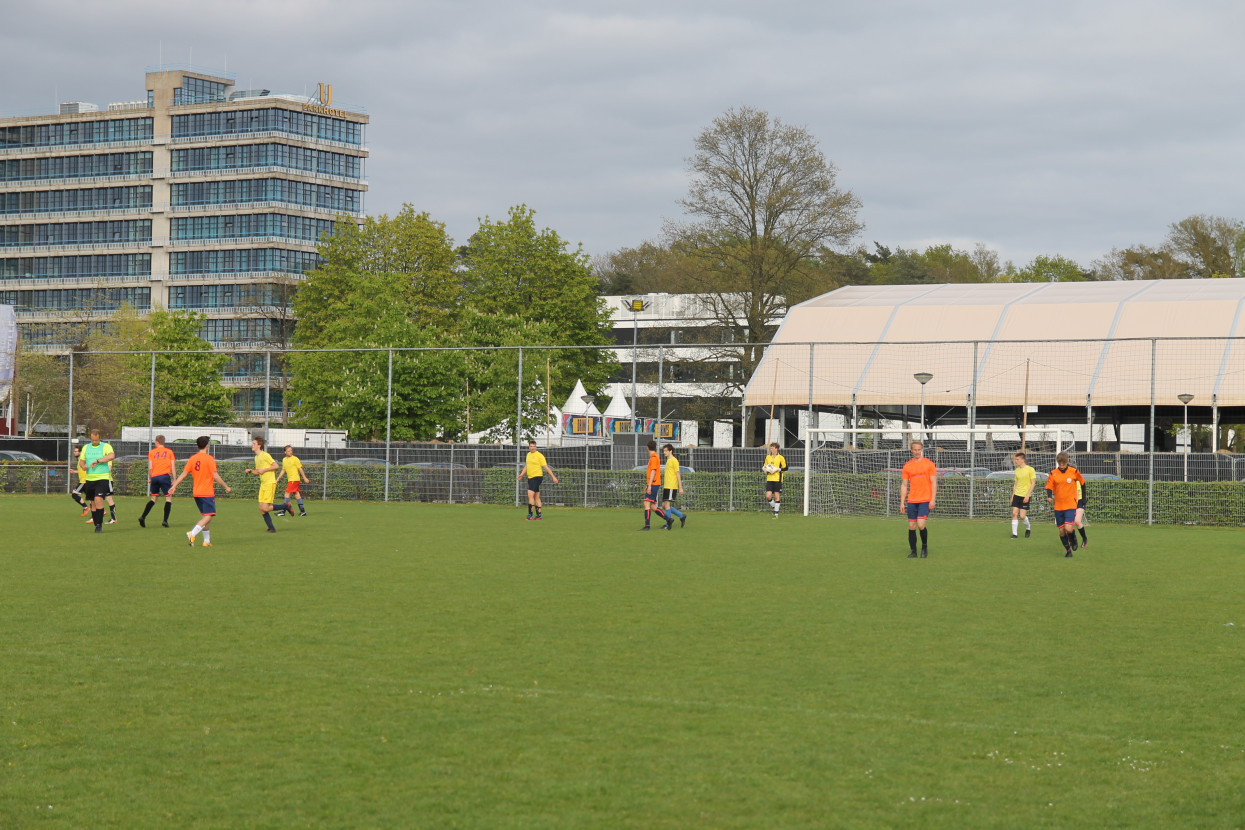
[(164, 524), (99, 529), (271, 530), (1068, 555), (1072, 543), (646, 527), (112, 521), (90, 521), (1085, 543), (1014, 536), (924, 552), (302, 515), (86, 511), (682, 521), (1026, 533), (142, 522), (207, 544), (529, 518), (279, 513), (912, 555), (190, 540)]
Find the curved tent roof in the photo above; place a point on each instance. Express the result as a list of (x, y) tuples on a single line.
[(1044, 343)]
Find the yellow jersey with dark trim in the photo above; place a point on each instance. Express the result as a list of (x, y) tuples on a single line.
[(775, 461)]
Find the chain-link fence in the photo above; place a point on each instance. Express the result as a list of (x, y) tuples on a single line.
[(1120, 397), (846, 482)]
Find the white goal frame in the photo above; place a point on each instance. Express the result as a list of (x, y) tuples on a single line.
[(927, 434)]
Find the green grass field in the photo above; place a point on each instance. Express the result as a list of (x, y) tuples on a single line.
[(455, 666)]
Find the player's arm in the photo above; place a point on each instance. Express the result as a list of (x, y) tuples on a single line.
[(933, 490), (220, 481), (678, 479), (903, 490), (549, 470), (1050, 485), (302, 475), (1032, 485), (522, 472), (280, 475), (782, 463)]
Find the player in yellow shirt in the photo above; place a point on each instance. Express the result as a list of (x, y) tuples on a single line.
[(672, 485), (1026, 479), (534, 467), (266, 469), (296, 476), (774, 466), (76, 493)]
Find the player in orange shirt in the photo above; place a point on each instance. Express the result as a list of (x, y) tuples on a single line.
[(1066, 485), (202, 467), (652, 488), (160, 462), (918, 491)]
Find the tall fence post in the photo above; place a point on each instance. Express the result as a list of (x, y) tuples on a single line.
[(586, 449), (151, 403), (267, 387), (388, 420), (730, 503), (1154, 352), (451, 498), (661, 358), (518, 425), (71, 434)]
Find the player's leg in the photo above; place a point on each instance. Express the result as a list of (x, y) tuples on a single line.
[(112, 506), (911, 508), (1015, 520), (777, 501), (153, 491), (168, 508), (1080, 524), (298, 496), (539, 504), (922, 515), (1024, 517)]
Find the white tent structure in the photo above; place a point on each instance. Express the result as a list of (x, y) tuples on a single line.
[(619, 411), (1007, 343), (575, 403)]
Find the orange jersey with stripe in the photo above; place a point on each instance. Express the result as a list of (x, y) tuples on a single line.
[(202, 466), (160, 462), (654, 469), (917, 473), (1064, 485)]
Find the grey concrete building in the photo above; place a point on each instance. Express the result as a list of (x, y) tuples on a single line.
[(201, 196)]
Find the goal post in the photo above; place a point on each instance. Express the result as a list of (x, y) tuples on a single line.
[(857, 471)]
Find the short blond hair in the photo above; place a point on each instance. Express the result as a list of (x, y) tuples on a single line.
[(916, 442)]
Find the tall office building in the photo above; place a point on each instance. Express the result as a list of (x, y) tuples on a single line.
[(201, 197)]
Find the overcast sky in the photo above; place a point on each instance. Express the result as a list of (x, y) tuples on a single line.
[(1036, 128)]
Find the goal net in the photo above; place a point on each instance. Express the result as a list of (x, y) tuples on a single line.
[(858, 471)]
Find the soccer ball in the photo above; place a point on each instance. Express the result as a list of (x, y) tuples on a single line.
[(770, 468)]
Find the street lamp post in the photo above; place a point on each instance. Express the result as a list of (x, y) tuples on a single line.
[(923, 378), (635, 307), (28, 390), (1184, 399)]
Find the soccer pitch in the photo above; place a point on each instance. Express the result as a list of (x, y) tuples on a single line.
[(455, 666)]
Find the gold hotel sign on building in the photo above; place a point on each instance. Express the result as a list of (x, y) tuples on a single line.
[(325, 105)]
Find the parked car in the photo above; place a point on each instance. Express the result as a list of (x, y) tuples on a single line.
[(18, 455), (369, 462), (1099, 477), (438, 465), (682, 469)]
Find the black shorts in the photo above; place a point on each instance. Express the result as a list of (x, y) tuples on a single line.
[(1019, 501), (669, 494), (773, 486), (98, 489), (533, 483)]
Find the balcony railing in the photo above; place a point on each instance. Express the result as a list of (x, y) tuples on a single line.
[(51, 247)]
